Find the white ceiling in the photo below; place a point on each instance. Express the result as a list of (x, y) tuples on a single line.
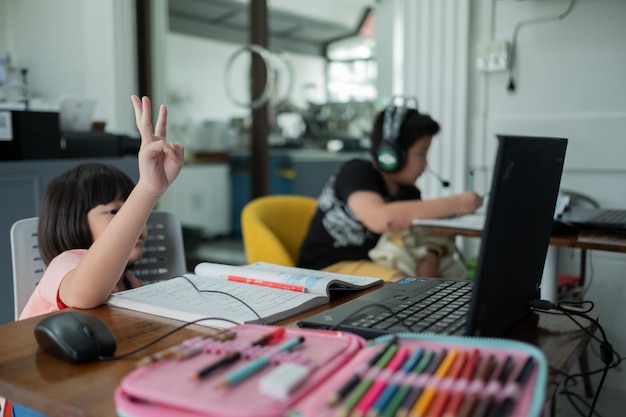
[(291, 27)]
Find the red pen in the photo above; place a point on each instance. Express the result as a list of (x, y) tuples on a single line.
[(271, 284)]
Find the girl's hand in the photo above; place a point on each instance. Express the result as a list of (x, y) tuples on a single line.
[(160, 161)]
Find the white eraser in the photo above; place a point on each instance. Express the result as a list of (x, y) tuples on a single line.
[(281, 381)]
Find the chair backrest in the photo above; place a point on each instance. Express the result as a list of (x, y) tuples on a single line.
[(164, 255), (274, 227), (27, 264)]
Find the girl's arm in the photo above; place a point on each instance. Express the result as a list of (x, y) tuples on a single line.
[(381, 217), (160, 162)]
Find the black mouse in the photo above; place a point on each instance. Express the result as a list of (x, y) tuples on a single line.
[(75, 336)]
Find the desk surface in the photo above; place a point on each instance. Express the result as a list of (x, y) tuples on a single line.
[(35, 379), (586, 239)]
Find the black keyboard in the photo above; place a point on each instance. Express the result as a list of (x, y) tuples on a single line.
[(611, 216), (441, 309)]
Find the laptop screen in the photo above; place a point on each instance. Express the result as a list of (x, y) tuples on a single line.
[(522, 198)]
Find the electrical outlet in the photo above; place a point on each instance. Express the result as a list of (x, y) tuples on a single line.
[(493, 56)]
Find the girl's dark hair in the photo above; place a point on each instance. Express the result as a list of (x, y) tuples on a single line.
[(68, 199), (414, 126)]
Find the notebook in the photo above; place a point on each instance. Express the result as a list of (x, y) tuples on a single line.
[(595, 218), (76, 114), (514, 242)]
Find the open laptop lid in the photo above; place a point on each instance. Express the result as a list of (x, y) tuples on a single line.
[(520, 211)]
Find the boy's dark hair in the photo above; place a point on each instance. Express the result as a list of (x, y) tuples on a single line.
[(414, 126), (68, 199)]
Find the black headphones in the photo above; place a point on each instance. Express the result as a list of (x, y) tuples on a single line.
[(391, 157)]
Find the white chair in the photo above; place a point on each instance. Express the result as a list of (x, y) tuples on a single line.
[(164, 255)]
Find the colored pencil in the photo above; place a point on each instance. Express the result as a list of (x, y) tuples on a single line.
[(424, 401), (505, 407), (392, 387), (415, 393), (466, 375), (483, 374), (360, 390), (349, 385), (443, 393), (257, 364), (380, 382), (404, 390)]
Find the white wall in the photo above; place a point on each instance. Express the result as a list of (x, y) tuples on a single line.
[(570, 83), (76, 47)]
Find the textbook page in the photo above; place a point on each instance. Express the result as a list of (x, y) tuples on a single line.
[(315, 281), (177, 298), (475, 221)]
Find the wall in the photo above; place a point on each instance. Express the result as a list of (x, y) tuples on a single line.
[(569, 83), (569, 79), (75, 47)]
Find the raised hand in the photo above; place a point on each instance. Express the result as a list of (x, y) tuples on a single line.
[(160, 161)]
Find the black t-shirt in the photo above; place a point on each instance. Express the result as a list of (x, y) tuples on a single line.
[(335, 234)]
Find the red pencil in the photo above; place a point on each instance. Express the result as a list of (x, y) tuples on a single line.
[(441, 396), (457, 397), (271, 284)]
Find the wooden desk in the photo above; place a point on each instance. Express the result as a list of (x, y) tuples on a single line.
[(37, 380), (585, 240)]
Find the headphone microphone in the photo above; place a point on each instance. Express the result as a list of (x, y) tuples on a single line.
[(444, 183)]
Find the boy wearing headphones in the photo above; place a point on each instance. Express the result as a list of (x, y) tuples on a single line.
[(365, 199)]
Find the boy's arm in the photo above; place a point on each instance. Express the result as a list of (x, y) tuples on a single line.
[(381, 217)]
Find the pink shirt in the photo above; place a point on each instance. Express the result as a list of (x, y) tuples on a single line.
[(45, 298)]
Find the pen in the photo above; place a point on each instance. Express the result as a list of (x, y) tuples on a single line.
[(257, 364), (235, 356), (356, 378), (272, 284)]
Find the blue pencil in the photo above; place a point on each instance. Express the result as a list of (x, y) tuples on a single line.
[(259, 363), (391, 389)]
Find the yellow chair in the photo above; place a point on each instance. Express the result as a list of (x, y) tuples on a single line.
[(274, 227)]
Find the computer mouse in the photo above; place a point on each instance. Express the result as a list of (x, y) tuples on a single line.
[(75, 336)]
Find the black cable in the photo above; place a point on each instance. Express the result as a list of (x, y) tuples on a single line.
[(227, 294), (158, 339), (608, 355)]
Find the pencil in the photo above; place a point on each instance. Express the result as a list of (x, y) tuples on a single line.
[(415, 393), (272, 284), (482, 374), (505, 407), (392, 388), (422, 404), (483, 408), (380, 382), (257, 364), (457, 397), (360, 390), (404, 390), (443, 394), (356, 378)]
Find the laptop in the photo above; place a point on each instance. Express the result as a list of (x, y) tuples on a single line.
[(76, 114), (595, 218), (514, 242)]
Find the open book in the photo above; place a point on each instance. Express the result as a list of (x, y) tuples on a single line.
[(211, 292), (475, 221)]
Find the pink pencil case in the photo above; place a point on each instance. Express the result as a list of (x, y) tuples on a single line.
[(323, 363)]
